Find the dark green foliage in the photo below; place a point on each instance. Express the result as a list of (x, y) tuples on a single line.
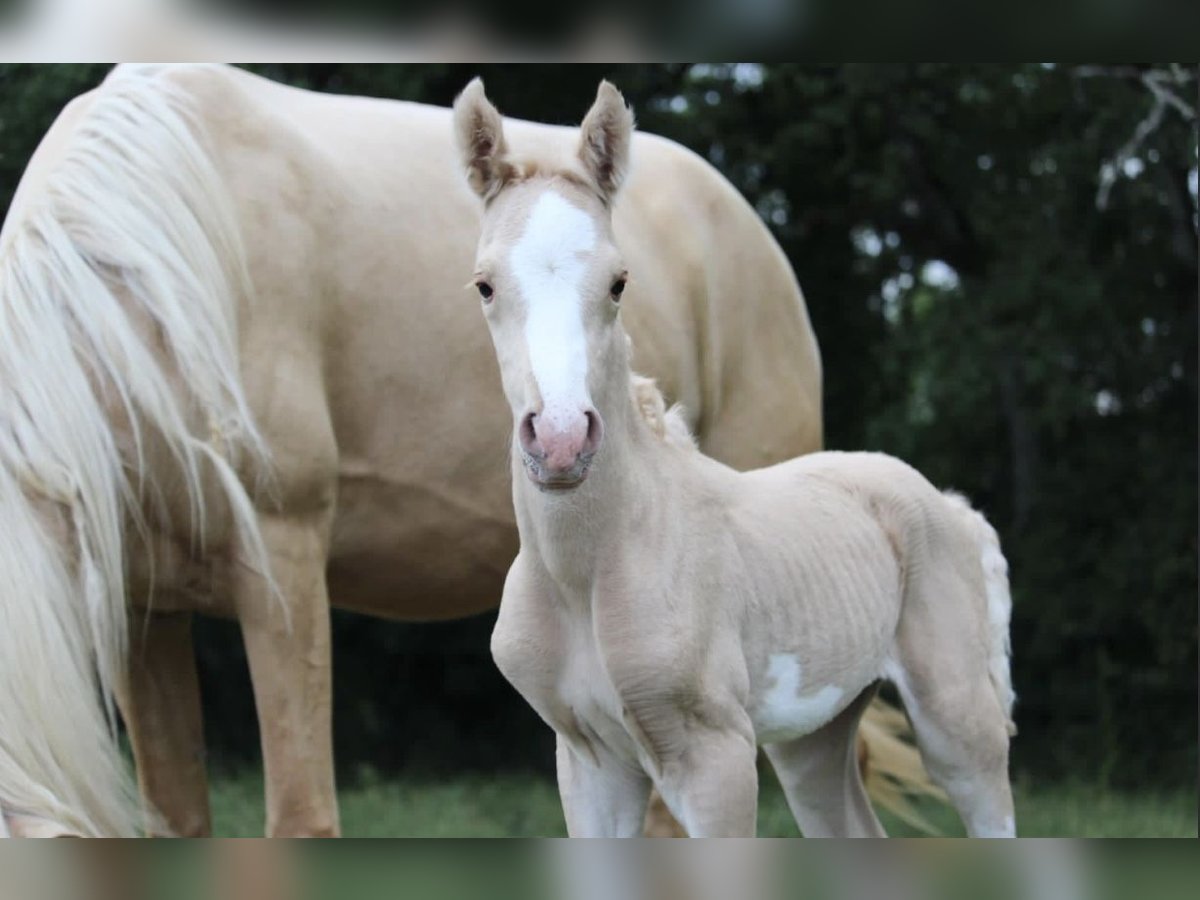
[(31, 96), (1053, 379)]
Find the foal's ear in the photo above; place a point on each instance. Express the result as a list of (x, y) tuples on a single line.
[(604, 140), (479, 132)]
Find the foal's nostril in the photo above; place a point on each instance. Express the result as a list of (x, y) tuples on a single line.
[(528, 435), (595, 432)]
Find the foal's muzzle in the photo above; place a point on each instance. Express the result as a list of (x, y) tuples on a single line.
[(557, 446)]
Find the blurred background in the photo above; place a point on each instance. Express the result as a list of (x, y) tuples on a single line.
[(1000, 263), (594, 870), (393, 30)]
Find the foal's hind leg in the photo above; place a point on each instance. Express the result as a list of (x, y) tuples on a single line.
[(962, 733), (822, 779), (290, 667), (161, 708)]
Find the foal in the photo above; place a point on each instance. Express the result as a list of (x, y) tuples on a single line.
[(667, 615)]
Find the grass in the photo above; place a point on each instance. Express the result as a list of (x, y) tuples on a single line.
[(528, 806)]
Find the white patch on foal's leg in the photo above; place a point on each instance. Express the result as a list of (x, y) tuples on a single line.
[(549, 266), (784, 712), (986, 812), (1007, 829)]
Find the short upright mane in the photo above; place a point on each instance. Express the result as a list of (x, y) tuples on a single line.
[(668, 424), (529, 168)]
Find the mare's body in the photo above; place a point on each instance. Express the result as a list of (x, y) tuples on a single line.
[(320, 385)]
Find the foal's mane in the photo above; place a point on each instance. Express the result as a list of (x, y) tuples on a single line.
[(528, 168), (548, 168), (669, 425)]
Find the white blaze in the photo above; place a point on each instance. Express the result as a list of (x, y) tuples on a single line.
[(783, 712), (549, 265)]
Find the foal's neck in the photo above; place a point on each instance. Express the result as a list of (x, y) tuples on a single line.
[(573, 533)]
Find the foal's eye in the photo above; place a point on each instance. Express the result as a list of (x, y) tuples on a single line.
[(618, 288), (485, 291)]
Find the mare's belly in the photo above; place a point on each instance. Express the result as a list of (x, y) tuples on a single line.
[(407, 552)]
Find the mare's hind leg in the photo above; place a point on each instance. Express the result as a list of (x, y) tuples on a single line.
[(161, 708), (962, 733), (822, 778), (290, 664)]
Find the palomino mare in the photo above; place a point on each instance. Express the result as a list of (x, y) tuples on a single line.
[(235, 381), (666, 614)]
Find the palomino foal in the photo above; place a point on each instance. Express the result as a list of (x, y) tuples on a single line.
[(667, 615)]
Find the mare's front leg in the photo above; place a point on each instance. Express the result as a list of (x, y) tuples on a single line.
[(161, 708), (601, 796), (711, 784), (290, 666)]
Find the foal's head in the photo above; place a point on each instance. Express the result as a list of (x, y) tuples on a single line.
[(550, 279)]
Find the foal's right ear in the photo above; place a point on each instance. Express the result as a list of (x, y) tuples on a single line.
[(479, 132), (604, 139)]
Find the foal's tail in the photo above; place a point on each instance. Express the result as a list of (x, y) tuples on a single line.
[(120, 275), (999, 602)]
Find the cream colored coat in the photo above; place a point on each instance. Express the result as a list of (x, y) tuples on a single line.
[(272, 277), (667, 614), (677, 614)]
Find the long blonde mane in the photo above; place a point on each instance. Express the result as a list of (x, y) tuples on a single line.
[(119, 277)]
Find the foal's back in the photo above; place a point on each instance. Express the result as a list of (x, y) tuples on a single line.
[(834, 537)]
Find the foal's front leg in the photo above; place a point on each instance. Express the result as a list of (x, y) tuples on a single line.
[(602, 797), (712, 785)]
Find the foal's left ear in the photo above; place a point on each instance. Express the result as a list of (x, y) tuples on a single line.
[(479, 132), (604, 140)]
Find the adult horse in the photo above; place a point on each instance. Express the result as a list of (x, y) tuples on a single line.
[(235, 382)]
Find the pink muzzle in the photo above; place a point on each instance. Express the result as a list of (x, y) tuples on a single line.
[(558, 445)]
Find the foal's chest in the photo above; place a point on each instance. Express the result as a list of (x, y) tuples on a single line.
[(547, 649), (592, 713)]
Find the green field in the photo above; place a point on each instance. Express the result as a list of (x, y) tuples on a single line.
[(526, 806)]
